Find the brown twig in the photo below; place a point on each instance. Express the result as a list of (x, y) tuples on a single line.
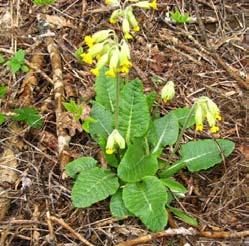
[(184, 232), (69, 228)]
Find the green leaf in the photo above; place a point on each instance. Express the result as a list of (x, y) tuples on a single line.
[(25, 68), (105, 90), (19, 56), (75, 109), (43, 2), (86, 124), (78, 53), (2, 119), (174, 186), (80, 164), (184, 217), (150, 98), (14, 66), (164, 131), (3, 90), (117, 206), (179, 18), (93, 185), (102, 127), (135, 164), (2, 60), (147, 200), (134, 114), (203, 154), (182, 114), (29, 116)]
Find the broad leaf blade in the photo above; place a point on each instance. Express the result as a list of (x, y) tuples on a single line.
[(182, 115), (135, 164), (80, 164), (105, 88), (147, 201), (93, 185), (203, 154), (164, 131), (134, 114), (117, 206), (102, 127)]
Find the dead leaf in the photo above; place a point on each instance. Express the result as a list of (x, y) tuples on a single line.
[(244, 149), (48, 139), (56, 21), (70, 124)]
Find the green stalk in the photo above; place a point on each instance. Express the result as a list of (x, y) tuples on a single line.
[(116, 113), (177, 145)]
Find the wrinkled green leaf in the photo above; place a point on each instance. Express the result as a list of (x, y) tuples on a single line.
[(93, 185), (105, 88), (147, 200), (173, 169), (136, 164), (164, 131), (117, 206), (24, 68), (30, 116), (134, 114), (80, 164), (180, 18), (184, 217), (203, 154), (150, 98), (103, 125)]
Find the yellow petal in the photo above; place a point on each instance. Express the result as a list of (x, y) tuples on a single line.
[(110, 151), (136, 28), (87, 58), (95, 71), (110, 73), (199, 127), (214, 129), (153, 4), (128, 36), (89, 41)]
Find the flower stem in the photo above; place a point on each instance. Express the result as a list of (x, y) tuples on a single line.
[(116, 113), (177, 145)]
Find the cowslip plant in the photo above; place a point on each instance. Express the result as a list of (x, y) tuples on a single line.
[(139, 182), (143, 150)]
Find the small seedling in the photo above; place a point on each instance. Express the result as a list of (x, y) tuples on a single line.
[(17, 62), (28, 115), (180, 18), (75, 109)]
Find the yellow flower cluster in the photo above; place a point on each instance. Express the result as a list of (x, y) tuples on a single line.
[(104, 50), (129, 21), (205, 108)]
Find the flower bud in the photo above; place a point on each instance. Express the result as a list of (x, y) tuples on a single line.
[(168, 91), (115, 15), (112, 2), (132, 19), (126, 28), (114, 140)]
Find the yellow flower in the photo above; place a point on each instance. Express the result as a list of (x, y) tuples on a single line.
[(95, 71), (128, 36), (115, 16), (153, 4), (114, 140), (89, 41), (124, 69), (214, 129), (110, 73), (113, 21), (87, 58), (136, 28), (199, 127)]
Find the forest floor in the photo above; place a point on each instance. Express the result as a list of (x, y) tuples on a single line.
[(209, 56)]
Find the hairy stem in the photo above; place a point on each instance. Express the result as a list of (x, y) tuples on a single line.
[(116, 113), (177, 145)]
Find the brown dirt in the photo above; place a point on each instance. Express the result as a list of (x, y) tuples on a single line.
[(190, 55)]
